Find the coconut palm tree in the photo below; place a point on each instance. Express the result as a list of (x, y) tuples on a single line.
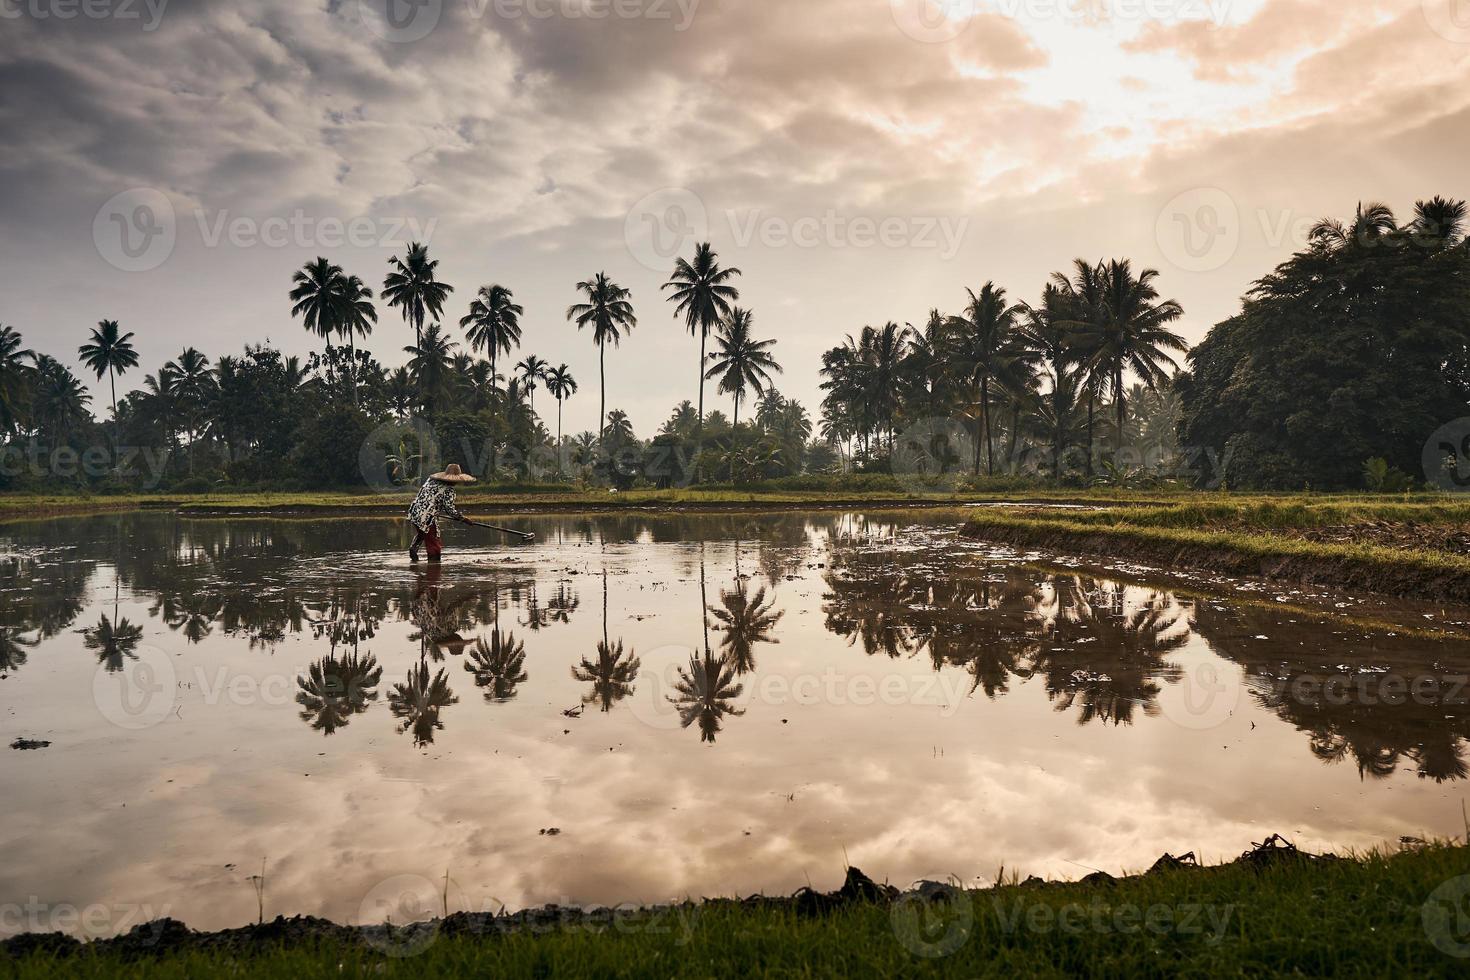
[(498, 666), (493, 325), (608, 310), (318, 291), (193, 384), (59, 400), (15, 378), (1130, 333), (991, 353), (1439, 221), (613, 674), (740, 361), (355, 319), (428, 364), (111, 353), (531, 371), (411, 287), (1372, 223), (746, 620), (561, 385), (703, 294)]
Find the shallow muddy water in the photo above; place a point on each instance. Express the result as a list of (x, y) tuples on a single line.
[(642, 708)]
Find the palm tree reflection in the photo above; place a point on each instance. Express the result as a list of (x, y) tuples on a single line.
[(113, 640), (497, 666), (334, 689), (613, 674), (746, 620), (705, 693), (418, 700)]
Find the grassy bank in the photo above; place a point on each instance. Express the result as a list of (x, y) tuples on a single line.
[(1413, 547), (1270, 913), (489, 500)]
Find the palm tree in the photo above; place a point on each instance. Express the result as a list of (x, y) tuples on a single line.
[(193, 384), (59, 400), (1371, 224), (356, 319), (1131, 333), (703, 295), (109, 352), (428, 364), (561, 385), (991, 351), (740, 361), (619, 431), (746, 620), (493, 325), (612, 676), (530, 371), (1439, 220), (410, 285), (609, 311), (15, 378), (318, 290), (498, 666)]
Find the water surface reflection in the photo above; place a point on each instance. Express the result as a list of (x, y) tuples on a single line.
[(767, 693)]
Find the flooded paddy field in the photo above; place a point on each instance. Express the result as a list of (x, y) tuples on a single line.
[(214, 715)]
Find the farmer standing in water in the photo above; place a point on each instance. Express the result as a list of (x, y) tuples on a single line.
[(435, 500)]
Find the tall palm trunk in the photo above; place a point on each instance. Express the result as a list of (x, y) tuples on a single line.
[(985, 416), (1122, 409), (112, 380), (1015, 432), (1091, 403), (560, 468), (602, 394), (699, 422), (352, 365), (494, 415)]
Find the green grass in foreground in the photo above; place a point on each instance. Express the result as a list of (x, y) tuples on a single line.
[(1376, 916)]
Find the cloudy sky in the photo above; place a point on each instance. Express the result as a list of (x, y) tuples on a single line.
[(169, 163)]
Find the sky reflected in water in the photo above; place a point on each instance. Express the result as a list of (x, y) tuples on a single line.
[(694, 705)]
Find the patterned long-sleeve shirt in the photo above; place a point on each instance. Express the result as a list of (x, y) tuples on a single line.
[(435, 500)]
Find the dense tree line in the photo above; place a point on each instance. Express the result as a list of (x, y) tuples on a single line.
[(1341, 365), (1355, 349)]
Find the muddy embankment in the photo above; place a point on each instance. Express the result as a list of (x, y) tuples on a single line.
[(1411, 574)]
